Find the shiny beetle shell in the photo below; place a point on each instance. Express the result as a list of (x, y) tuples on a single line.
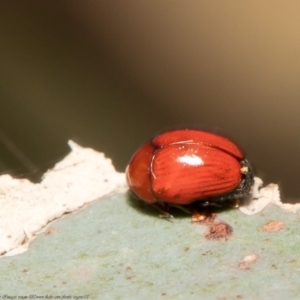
[(182, 166)]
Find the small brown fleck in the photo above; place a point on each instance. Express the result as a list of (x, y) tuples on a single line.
[(273, 226), (292, 261), (129, 273), (274, 266), (244, 266), (63, 282), (163, 294), (51, 230), (9, 236), (218, 231), (239, 297), (186, 249)]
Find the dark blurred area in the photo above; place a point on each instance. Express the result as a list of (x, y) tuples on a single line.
[(111, 74)]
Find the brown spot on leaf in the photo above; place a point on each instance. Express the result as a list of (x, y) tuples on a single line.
[(129, 274), (218, 231), (244, 266), (273, 226)]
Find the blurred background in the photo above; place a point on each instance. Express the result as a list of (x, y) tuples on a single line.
[(111, 74)]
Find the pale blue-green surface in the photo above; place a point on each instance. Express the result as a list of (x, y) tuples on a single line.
[(118, 248)]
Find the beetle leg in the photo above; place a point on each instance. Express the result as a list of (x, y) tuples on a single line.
[(163, 211), (183, 208)]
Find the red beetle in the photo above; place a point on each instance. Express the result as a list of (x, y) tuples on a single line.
[(183, 166)]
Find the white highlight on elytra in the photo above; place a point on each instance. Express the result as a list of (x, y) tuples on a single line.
[(191, 160)]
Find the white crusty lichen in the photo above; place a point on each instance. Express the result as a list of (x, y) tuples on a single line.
[(81, 177), (264, 196)]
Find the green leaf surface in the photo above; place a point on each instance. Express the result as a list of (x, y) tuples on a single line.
[(118, 248)]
